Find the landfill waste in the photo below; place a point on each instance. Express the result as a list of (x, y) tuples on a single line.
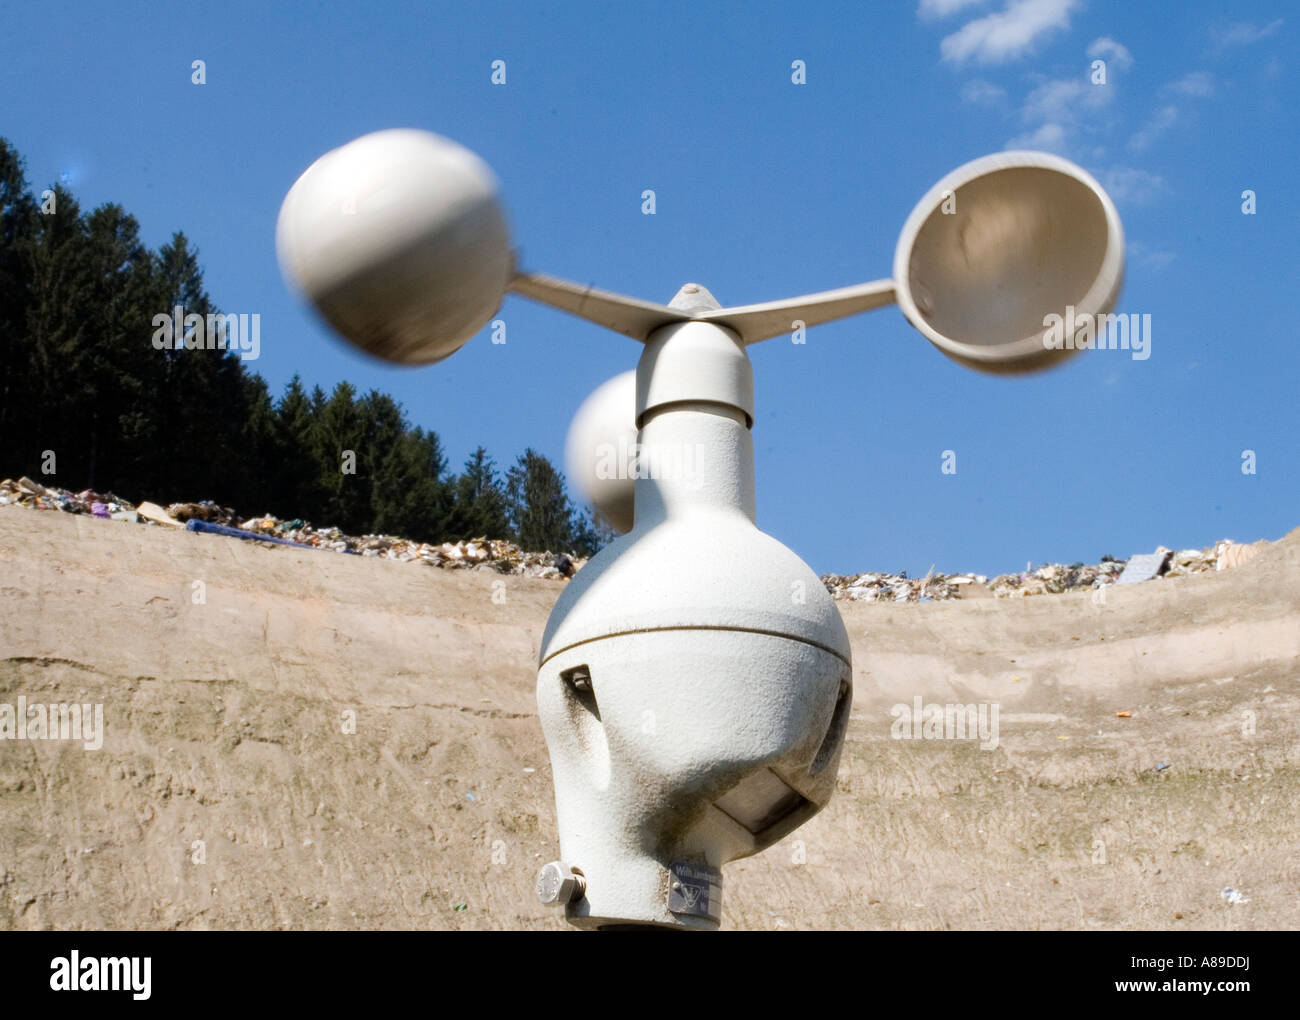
[(1055, 578), (1234, 554), (1192, 561), (481, 554), (878, 587), (157, 515), (194, 524), (1145, 566), (26, 492), (206, 511), (1048, 579), (502, 557)]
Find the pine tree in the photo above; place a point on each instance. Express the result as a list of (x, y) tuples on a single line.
[(343, 479), (409, 496), (18, 215), (262, 454), (590, 534), (480, 501), (294, 482), (94, 372), (540, 513), (206, 399)]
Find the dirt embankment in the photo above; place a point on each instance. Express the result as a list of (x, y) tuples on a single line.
[(298, 739)]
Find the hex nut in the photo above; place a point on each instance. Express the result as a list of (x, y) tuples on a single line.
[(557, 883)]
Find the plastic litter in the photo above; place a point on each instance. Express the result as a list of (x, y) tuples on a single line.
[(194, 524), (1145, 566)]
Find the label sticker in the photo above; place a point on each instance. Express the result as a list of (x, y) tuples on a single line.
[(695, 889)]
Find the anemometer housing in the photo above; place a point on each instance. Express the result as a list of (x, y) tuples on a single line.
[(695, 678)]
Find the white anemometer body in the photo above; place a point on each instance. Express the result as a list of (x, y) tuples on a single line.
[(695, 678)]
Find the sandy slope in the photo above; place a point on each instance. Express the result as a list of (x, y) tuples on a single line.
[(224, 724)]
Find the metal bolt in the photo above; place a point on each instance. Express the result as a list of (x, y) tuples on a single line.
[(557, 883)]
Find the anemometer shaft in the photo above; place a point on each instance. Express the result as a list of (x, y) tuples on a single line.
[(695, 403)]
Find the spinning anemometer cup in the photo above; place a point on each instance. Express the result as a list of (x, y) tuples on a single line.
[(600, 445), (999, 244), (399, 241), (695, 678)]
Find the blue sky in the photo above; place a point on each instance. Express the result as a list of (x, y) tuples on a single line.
[(765, 189)]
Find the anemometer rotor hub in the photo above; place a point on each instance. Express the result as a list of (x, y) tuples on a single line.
[(694, 362)]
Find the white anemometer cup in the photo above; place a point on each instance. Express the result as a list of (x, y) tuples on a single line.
[(695, 678)]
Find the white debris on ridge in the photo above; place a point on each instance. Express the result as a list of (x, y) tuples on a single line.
[(507, 558)]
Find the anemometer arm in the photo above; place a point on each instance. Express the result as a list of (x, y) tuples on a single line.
[(752, 323), (776, 318), (629, 316)]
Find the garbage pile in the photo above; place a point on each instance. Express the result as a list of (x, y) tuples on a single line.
[(1049, 579), (206, 511), (878, 587), (26, 492), (475, 554), (507, 558), (1055, 578)]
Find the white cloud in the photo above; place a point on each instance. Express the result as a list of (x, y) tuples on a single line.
[(1148, 258), (1128, 184), (1057, 110), (1007, 34), (982, 93), (943, 8), (1050, 137), (1242, 33), (1115, 54), (1198, 84), (1065, 100), (1160, 123)]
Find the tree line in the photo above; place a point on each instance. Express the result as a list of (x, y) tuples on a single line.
[(87, 401)]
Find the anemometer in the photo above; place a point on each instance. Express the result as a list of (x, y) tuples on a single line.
[(695, 678)]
